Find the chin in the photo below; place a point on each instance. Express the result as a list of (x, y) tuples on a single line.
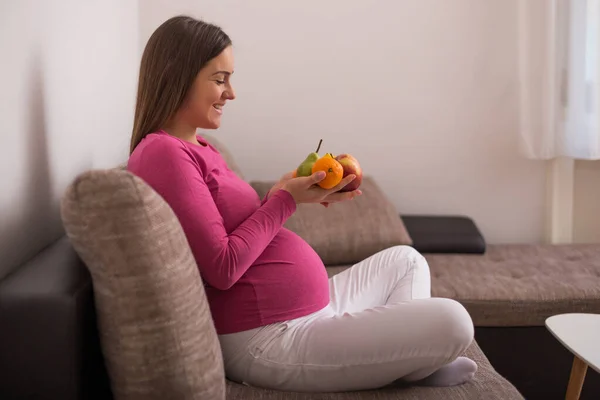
[(210, 124)]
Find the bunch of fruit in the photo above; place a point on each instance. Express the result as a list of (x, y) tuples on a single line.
[(336, 168)]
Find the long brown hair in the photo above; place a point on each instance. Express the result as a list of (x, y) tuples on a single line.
[(173, 56)]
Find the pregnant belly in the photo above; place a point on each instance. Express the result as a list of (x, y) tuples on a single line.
[(288, 281), (289, 267)]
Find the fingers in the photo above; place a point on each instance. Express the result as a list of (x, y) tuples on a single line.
[(343, 183), (315, 178)]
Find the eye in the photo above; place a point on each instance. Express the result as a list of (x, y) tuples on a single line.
[(220, 82)]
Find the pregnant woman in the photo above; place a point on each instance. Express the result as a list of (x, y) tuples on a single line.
[(282, 323)]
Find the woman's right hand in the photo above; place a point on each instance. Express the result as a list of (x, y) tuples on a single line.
[(305, 189)]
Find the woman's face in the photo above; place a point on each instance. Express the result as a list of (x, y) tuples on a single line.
[(210, 91)]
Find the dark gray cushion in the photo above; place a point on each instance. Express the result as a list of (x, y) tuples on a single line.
[(444, 234)]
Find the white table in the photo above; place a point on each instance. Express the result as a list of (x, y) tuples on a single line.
[(580, 334)]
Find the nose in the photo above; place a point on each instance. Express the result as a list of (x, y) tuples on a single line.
[(229, 93)]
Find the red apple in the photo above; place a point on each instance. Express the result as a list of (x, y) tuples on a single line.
[(351, 166)]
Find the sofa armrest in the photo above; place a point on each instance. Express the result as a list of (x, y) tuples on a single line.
[(49, 347), (444, 234)]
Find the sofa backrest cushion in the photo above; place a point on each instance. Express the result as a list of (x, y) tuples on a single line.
[(156, 331), (347, 232), (225, 153)]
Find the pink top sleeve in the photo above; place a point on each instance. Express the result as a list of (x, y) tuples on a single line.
[(222, 258)]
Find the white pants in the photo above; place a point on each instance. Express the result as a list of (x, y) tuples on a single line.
[(380, 326)]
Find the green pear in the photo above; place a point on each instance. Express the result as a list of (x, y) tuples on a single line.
[(305, 169)]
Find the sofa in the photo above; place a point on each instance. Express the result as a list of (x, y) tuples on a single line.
[(93, 315)]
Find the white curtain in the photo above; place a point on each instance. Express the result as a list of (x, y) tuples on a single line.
[(559, 78)]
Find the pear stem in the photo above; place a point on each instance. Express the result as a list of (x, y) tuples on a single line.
[(318, 147)]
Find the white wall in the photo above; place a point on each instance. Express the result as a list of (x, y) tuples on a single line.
[(424, 93), (68, 77)]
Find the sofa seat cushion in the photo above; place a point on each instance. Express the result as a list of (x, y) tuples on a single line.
[(520, 285), (487, 384), (336, 269)]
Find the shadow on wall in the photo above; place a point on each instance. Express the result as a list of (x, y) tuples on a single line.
[(33, 220)]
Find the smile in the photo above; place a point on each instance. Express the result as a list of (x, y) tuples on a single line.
[(218, 107)]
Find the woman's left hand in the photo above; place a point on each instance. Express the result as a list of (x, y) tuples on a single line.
[(292, 175)]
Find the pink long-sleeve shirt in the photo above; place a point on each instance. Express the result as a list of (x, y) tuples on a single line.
[(255, 271)]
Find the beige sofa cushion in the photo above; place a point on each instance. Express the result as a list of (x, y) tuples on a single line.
[(519, 284), (156, 330), (350, 231)]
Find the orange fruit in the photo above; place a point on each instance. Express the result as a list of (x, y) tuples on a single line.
[(333, 169)]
